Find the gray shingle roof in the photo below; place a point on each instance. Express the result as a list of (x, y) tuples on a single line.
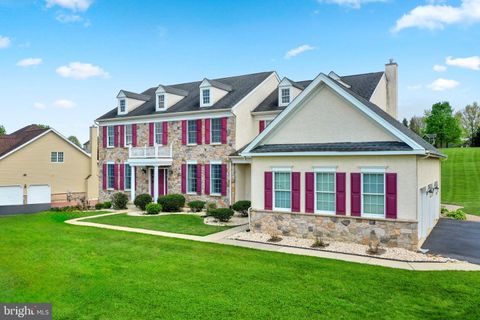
[(334, 147), (14, 140), (220, 85), (240, 87), (172, 90), (136, 96), (271, 102)]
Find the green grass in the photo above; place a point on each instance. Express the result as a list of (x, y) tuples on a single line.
[(91, 273), (461, 178), (176, 223)]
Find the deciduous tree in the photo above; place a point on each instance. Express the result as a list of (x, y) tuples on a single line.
[(441, 122)]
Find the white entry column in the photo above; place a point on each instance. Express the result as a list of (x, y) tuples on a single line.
[(155, 183), (132, 183)]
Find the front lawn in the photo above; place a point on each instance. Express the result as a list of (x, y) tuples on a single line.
[(461, 178), (176, 223), (91, 273)]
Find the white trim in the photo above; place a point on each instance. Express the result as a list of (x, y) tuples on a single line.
[(108, 176), (124, 99), (126, 145), (157, 95), (373, 169), (280, 93), (325, 169), (57, 162), (160, 123), (215, 162), (315, 210), (108, 135), (125, 176), (280, 170), (211, 131), (274, 73), (322, 78), (210, 100), (190, 162), (329, 153), (371, 215), (196, 135)]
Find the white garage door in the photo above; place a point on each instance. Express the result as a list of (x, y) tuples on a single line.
[(39, 193), (11, 195), (429, 209)]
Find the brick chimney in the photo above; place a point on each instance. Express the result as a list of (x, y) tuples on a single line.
[(391, 75)]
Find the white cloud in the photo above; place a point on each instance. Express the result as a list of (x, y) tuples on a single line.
[(4, 42), (74, 5), (415, 87), (439, 68), (443, 84), (296, 51), (350, 3), (39, 106), (78, 70), (436, 15), (68, 18), (28, 62), (64, 104), (472, 63)]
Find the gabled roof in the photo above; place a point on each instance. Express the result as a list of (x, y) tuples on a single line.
[(219, 85), (240, 87), (136, 96), (173, 90), (417, 144), (12, 142), (271, 102)]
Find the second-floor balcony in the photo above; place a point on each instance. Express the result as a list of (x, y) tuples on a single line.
[(151, 154)]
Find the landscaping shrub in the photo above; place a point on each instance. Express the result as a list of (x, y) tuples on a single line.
[(142, 200), (107, 205), (196, 206), (172, 202), (211, 206), (66, 209), (119, 201), (222, 214), (458, 215), (153, 208), (99, 206), (443, 210), (242, 206)]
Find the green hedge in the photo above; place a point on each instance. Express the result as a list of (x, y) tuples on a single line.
[(142, 200), (222, 214), (153, 208), (172, 202)]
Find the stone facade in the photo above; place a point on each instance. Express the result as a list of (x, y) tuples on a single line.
[(202, 153), (392, 233)]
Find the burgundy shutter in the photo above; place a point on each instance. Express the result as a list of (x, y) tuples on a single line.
[(184, 178), (122, 176), (134, 135), (391, 196), (115, 136), (341, 193), (207, 131), (355, 194), (199, 131), (184, 131), (309, 192), (122, 136), (151, 134), (115, 176), (104, 176), (165, 133), (207, 178), (295, 191), (268, 190), (261, 126), (224, 130), (224, 179), (104, 136), (199, 178)]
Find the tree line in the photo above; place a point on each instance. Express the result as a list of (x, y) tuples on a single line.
[(72, 139), (444, 128)]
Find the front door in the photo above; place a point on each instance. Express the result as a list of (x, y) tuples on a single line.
[(162, 182)]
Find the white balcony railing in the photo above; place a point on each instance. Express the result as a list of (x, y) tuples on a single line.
[(150, 152)]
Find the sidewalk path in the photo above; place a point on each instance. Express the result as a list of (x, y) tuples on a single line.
[(222, 238)]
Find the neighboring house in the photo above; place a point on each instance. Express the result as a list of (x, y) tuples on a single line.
[(39, 165), (331, 159)]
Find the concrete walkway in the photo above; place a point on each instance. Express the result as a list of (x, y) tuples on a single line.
[(222, 238)]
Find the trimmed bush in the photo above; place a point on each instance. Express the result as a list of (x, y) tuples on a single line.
[(458, 215), (119, 201), (66, 209), (99, 206), (211, 206), (153, 208), (242, 206), (172, 202), (107, 205), (222, 214), (196, 206), (142, 200)]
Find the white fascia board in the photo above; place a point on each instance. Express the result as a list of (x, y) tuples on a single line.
[(332, 153), (285, 83), (121, 94), (205, 83)]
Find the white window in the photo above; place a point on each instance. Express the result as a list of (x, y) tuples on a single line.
[(285, 96), (158, 132), (110, 136), (216, 178), (128, 134), (110, 175), (128, 177), (216, 130), (282, 185), (192, 132), (56, 157), (373, 194), (123, 105), (192, 178), (206, 96), (161, 101), (325, 192)]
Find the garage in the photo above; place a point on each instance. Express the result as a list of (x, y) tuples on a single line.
[(429, 209), (38, 198)]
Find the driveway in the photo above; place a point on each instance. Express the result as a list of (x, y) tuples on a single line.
[(455, 239)]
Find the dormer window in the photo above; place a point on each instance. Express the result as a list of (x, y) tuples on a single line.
[(161, 102), (123, 105), (285, 96), (206, 96)]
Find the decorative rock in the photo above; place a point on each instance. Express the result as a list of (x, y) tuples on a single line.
[(345, 222)]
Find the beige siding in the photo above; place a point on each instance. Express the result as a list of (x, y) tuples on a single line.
[(404, 166), (327, 117), (31, 165), (379, 96), (247, 128), (428, 171)]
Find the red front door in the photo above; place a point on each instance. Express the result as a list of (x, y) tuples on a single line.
[(162, 182)]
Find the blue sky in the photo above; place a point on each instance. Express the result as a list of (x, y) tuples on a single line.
[(62, 62)]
